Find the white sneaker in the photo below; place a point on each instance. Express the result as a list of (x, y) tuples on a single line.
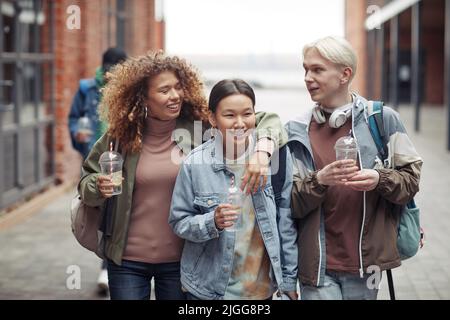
[(102, 282)]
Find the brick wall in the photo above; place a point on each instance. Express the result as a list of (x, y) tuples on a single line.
[(160, 34), (140, 35), (355, 16), (78, 53)]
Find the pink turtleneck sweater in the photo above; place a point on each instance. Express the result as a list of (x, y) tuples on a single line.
[(150, 238)]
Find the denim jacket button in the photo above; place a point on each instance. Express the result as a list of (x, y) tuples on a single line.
[(210, 202)]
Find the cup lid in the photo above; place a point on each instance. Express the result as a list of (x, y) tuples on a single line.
[(346, 143), (110, 156)]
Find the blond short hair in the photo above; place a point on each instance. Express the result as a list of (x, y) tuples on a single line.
[(335, 49)]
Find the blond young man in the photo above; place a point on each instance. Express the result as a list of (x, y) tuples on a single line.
[(347, 211)]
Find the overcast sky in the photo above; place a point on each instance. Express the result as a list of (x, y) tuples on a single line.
[(249, 26)]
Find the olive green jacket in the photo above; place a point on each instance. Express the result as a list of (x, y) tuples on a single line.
[(117, 218)]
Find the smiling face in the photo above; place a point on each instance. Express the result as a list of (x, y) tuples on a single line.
[(235, 119), (165, 96), (327, 82)]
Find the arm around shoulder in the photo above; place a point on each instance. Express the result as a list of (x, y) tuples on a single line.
[(269, 125)]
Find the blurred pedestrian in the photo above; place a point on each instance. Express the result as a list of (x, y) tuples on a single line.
[(150, 104), (348, 210), (84, 124)]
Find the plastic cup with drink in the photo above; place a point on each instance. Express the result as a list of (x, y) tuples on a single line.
[(111, 164), (346, 148), (235, 197)]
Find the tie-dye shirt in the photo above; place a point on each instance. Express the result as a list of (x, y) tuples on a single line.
[(251, 265)]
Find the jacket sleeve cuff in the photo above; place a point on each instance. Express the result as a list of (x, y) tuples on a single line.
[(315, 183), (213, 232), (384, 181), (268, 136), (89, 192), (265, 144), (289, 284)]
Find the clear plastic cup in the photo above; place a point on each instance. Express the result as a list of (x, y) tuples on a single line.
[(111, 164), (85, 126), (235, 197), (346, 148)]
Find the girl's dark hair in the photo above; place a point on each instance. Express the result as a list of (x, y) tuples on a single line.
[(226, 88)]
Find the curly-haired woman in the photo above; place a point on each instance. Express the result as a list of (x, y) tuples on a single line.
[(150, 104)]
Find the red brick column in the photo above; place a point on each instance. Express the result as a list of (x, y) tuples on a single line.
[(355, 33)]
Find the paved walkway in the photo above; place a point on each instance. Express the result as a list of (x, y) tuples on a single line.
[(427, 275), (37, 254)]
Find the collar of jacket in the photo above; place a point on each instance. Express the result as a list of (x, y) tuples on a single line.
[(298, 128), (217, 154)]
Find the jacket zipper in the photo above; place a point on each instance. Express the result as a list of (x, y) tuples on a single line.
[(320, 255)]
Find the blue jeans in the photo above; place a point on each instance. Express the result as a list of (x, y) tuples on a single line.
[(190, 296), (340, 286), (131, 280)]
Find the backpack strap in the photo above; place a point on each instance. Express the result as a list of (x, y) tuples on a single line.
[(279, 178), (376, 126), (390, 284), (86, 85)]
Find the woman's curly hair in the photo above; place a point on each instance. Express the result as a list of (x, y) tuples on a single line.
[(125, 94)]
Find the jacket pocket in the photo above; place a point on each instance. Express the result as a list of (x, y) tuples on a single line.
[(192, 254), (206, 202), (268, 191)]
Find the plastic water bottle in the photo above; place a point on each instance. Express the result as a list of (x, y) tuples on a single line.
[(85, 126), (235, 197)]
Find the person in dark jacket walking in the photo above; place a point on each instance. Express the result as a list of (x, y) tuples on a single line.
[(84, 124)]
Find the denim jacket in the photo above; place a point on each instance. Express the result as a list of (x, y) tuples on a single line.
[(208, 253)]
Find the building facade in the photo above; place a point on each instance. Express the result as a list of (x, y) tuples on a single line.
[(46, 47), (404, 52)]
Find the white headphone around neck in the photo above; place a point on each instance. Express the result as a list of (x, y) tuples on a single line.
[(338, 116)]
